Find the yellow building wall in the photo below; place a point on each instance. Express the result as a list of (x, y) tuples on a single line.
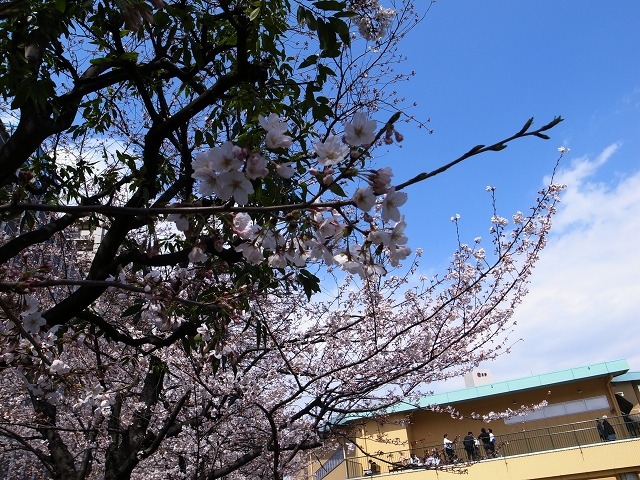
[(602, 461), (338, 473), (377, 438)]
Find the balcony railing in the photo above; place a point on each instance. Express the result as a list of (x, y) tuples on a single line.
[(510, 444)]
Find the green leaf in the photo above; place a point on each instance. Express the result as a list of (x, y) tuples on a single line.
[(61, 5), (337, 189), (255, 13), (346, 14), (129, 56), (198, 138), (301, 14), (310, 60), (132, 310), (99, 61), (310, 283), (341, 27), (329, 5)]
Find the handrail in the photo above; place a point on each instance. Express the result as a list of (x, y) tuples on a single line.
[(331, 463), (541, 439)]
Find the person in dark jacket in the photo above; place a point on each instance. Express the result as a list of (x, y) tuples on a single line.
[(609, 432), (600, 430), (469, 446), (485, 438)]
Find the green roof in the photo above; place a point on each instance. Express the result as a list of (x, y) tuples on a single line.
[(615, 368)]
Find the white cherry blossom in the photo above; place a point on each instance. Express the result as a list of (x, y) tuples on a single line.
[(380, 180), (33, 321), (251, 252), (361, 131), (226, 158), (331, 151), (390, 205), (197, 255), (397, 236), (58, 367), (364, 198), (397, 254), (379, 237), (234, 184), (277, 260), (272, 123), (285, 170), (209, 181), (181, 221)]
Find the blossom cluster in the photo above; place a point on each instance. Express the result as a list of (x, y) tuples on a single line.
[(32, 319), (227, 172), (373, 20)]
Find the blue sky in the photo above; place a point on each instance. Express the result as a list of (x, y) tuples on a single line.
[(482, 69)]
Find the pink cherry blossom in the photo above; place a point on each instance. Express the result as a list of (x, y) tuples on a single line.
[(256, 167), (244, 227), (181, 221), (380, 180), (275, 139)]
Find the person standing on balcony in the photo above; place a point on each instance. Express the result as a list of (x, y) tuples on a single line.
[(486, 441), (609, 432), (492, 443), (374, 468), (469, 446), (600, 430), (448, 449)]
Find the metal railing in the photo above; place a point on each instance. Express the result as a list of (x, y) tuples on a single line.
[(326, 468), (517, 443)]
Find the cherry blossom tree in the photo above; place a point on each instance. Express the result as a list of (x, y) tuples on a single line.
[(176, 181)]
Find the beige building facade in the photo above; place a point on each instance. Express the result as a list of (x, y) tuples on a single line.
[(558, 439)]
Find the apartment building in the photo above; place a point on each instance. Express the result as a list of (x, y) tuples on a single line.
[(559, 439)]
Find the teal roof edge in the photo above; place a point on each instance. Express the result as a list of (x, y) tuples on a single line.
[(627, 377), (616, 368)]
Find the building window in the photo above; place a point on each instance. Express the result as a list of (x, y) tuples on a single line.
[(561, 409)]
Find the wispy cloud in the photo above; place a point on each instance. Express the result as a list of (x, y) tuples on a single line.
[(585, 293)]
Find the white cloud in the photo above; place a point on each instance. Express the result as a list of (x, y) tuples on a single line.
[(585, 292)]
